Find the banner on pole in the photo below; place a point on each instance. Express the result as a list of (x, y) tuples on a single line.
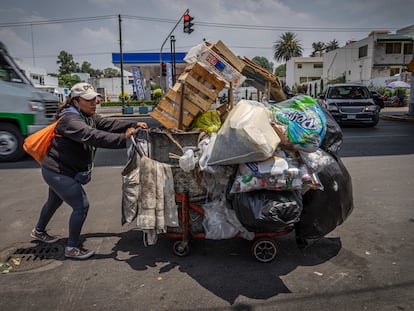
[(169, 76), (138, 83)]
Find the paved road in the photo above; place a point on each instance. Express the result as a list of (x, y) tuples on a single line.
[(364, 264)]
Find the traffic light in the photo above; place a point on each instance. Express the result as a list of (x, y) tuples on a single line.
[(164, 69), (188, 24)]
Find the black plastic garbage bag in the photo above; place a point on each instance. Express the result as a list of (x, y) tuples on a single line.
[(324, 210), (266, 210), (333, 138)]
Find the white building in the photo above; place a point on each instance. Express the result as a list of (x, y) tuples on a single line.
[(301, 70), (381, 54), (376, 60), (110, 88), (38, 76)]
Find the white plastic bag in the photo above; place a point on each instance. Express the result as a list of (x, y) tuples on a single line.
[(188, 160), (220, 222), (246, 135)]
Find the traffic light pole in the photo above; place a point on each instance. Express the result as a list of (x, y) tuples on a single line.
[(162, 46)]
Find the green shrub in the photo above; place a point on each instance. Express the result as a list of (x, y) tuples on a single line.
[(130, 103)]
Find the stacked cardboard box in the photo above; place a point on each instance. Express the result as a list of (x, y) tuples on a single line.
[(203, 80)]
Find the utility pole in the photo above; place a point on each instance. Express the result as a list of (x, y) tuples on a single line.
[(173, 61), (122, 64), (33, 49)]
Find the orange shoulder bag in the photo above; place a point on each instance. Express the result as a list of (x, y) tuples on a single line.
[(39, 142)]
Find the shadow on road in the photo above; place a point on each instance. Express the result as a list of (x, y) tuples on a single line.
[(224, 267)]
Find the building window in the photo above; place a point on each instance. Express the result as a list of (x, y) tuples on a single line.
[(317, 65), (393, 48), (408, 49), (394, 71), (308, 79), (363, 51), (299, 66)]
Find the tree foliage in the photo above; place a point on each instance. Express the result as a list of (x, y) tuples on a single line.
[(287, 46), (263, 62), (66, 63), (318, 48), (280, 71), (68, 80), (111, 72), (332, 45)]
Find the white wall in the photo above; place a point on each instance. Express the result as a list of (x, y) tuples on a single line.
[(293, 73)]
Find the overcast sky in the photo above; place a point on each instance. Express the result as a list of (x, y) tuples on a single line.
[(146, 24)]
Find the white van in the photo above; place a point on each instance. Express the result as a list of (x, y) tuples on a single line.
[(23, 108)]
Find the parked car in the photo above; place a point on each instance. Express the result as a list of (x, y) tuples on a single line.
[(351, 103)]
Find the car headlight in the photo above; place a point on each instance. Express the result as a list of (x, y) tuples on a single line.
[(371, 108), (36, 106)]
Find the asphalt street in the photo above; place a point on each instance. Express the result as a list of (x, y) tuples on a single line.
[(364, 264)]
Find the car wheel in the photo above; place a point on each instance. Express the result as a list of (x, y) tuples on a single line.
[(375, 120), (11, 143)]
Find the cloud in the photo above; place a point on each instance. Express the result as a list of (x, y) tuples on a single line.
[(15, 44), (98, 36)]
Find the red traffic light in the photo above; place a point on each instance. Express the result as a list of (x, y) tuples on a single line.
[(188, 24)]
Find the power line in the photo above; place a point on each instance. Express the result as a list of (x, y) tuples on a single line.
[(57, 21), (198, 23)]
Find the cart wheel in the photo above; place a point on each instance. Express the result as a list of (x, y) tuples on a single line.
[(264, 250), (180, 248)]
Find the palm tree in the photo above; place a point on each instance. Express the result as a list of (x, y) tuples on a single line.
[(332, 45), (287, 46), (318, 48)]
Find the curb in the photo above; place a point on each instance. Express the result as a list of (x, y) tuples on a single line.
[(403, 118)]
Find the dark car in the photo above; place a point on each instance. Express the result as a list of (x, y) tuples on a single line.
[(351, 103)]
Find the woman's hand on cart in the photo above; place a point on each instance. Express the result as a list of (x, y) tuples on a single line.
[(142, 125)]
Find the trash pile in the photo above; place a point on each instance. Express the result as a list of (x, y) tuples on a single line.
[(259, 167)]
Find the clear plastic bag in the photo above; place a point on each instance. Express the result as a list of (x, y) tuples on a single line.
[(284, 171), (188, 160), (248, 131), (220, 222)]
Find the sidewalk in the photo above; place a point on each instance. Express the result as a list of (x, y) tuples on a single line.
[(396, 114)]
